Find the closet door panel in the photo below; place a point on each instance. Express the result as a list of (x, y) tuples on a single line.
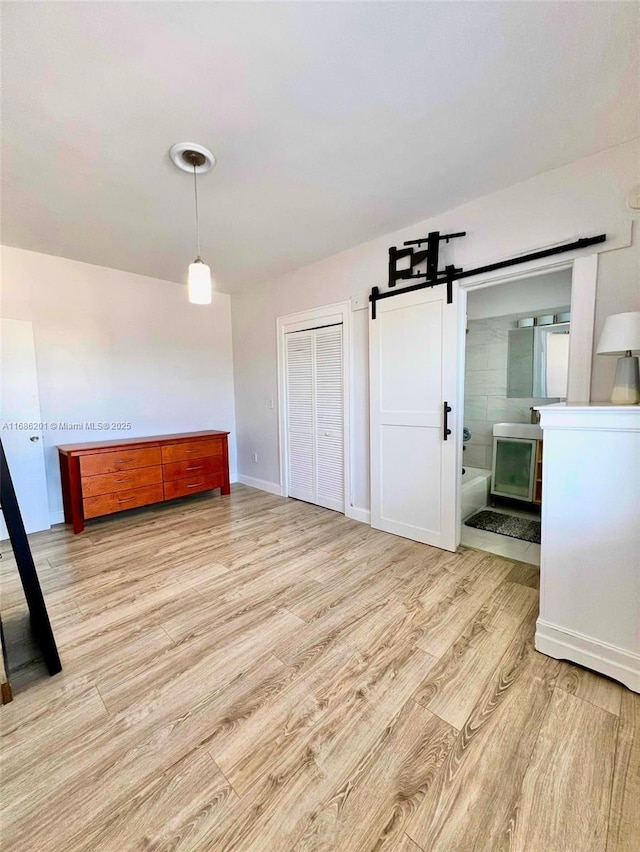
[(329, 410), (300, 416)]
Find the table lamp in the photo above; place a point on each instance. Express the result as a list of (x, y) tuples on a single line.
[(621, 336)]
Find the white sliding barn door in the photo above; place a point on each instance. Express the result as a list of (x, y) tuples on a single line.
[(413, 372), (315, 416)]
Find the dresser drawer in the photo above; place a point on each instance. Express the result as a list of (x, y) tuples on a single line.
[(106, 483), (192, 450), (103, 477), (183, 487), (106, 504), (193, 467), (94, 464)]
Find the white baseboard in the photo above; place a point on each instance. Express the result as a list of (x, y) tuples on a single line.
[(607, 659), (56, 517), (358, 514), (261, 484)]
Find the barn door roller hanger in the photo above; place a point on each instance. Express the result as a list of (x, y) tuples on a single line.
[(431, 276)]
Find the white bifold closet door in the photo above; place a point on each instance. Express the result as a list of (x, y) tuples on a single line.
[(315, 416)]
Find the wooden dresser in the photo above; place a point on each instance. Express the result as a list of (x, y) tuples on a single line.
[(110, 476)]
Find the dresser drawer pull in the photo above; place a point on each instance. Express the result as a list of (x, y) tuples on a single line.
[(124, 461), (195, 467), (192, 451), (195, 485), (124, 479), (125, 499)]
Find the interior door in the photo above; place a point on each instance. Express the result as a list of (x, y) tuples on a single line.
[(329, 417), (413, 374), (301, 449), (315, 416), (20, 417)]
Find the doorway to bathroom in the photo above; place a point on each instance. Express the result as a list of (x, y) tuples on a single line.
[(516, 358)]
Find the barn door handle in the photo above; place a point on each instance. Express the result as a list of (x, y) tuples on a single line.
[(447, 409)]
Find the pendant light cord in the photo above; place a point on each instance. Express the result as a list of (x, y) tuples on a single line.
[(195, 188)]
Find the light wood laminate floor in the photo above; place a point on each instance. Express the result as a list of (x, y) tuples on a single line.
[(253, 673)]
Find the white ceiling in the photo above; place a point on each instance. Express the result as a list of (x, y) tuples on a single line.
[(332, 123)]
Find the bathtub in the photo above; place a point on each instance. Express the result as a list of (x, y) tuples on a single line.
[(476, 487)]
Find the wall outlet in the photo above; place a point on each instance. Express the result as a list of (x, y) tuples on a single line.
[(271, 404), (254, 457)]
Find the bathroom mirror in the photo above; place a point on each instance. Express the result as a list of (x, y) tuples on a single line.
[(538, 361)]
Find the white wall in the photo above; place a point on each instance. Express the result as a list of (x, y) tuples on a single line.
[(581, 199), (115, 346)]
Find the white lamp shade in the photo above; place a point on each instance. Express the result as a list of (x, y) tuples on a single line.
[(199, 283), (620, 334)]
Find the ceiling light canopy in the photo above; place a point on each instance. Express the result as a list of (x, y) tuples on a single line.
[(182, 155), (196, 159)]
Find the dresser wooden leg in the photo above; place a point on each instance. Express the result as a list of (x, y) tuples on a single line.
[(75, 495)]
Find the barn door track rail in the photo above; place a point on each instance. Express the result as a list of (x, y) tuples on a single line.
[(431, 277)]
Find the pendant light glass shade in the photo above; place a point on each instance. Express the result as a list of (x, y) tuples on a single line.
[(199, 283), (188, 156)]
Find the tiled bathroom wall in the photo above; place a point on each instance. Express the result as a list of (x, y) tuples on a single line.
[(485, 395)]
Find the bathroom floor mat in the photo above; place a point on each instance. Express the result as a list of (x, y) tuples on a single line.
[(497, 522)]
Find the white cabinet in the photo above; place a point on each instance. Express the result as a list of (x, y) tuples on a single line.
[(590, 556)]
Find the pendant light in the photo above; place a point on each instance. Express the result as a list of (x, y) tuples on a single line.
[(196, 159)]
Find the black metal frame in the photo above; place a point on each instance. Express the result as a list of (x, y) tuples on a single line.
[(431, 255), (40, 624), (451, 273)]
